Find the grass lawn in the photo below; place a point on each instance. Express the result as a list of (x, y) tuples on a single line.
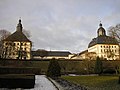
[(95, 82)]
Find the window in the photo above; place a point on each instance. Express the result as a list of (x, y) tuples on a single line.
[(21, 44), (101, 46), (13, 53), (17, 43)]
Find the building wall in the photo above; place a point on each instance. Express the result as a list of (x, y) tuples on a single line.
[(50, 57), (86, 56), (14, 49), (107, 51)]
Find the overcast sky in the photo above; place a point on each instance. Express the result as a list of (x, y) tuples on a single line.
[(60, 24)]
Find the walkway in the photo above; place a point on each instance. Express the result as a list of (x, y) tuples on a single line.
[(42, 83)]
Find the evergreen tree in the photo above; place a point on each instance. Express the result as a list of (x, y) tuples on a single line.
[(98, 66), (54, 69)]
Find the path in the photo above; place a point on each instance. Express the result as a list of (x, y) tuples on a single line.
[(42, 83)]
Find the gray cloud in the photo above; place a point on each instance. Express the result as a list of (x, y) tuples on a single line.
[(60, 24), (65, 35)]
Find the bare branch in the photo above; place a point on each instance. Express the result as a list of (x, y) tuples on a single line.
[(115, 32), (27, 33), (4, 34)]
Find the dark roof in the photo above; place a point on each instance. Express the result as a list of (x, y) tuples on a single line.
[(58, 53), (103, 40), (17, 36), (52, 53)]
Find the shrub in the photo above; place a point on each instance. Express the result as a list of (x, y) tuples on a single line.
[(17, 81), (54, 69), (98, 66), (109, 71)]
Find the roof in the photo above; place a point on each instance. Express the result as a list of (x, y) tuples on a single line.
[(58, 53), (103, 40), (17, 36), (52, 53)]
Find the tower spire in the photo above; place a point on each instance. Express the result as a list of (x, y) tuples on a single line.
[(19, 25), (100, 24), (101, 31)]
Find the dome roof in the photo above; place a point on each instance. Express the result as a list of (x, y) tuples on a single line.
[(103, 40)]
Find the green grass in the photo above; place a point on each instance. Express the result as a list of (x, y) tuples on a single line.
[(95, 82)]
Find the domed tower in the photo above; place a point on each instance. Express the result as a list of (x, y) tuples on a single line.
[(101, 31), (104, 46)]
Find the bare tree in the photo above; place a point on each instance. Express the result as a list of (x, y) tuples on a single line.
[(22, 54), (114, 31), (110, 53), (27, 33), (3, 34)]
